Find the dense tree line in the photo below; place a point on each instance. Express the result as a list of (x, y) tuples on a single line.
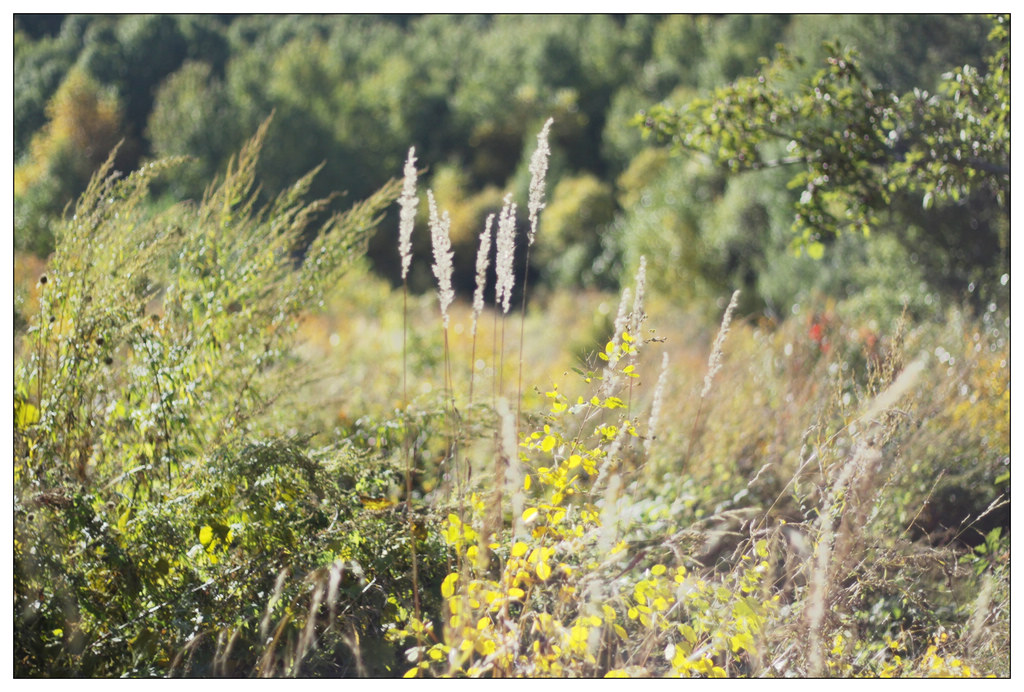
[(354, 92)]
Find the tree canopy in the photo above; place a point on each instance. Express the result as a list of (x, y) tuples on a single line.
[(854, 145)]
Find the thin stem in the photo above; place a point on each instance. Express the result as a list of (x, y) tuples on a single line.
[(405, 310), (453, 417), (501, 368), (408, 454), (472, 371), (522, 332), (494, 358), (693, 432)]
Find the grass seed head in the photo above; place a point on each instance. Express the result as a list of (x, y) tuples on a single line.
[(506, 243), (407, 203), (715, 360), (442, 256), (538, 170), (483, 256)]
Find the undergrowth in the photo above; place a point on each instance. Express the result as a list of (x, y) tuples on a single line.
[(234, 460)]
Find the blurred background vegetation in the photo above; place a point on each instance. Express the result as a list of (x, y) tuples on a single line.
[(355, 92)]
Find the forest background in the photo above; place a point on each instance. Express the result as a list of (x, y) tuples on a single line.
[(847, 174)]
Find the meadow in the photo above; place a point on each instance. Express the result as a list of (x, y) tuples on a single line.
[(240, 454)]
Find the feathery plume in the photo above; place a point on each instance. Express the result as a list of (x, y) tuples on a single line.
[(442, 256), (506, 242), (483, 257), (715, 360), (656, 403), (407, 202), (621, 317), (611, 374), (538, 170), (637, 316)]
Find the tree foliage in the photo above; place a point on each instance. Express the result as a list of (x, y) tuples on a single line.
[(354, 92), (84, 127), (855, 146)]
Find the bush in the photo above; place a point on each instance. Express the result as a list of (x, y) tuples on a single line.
[(156, 499)]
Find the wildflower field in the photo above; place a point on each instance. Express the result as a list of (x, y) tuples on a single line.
[(239, 450)]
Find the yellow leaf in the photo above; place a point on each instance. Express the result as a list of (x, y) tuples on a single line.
[(205, 535), (529, 514), (548, 444), (543, 570), (762, 548), (375, 504), (743, 640), (519, 549), (527, 482), (448, 585), (25, 414)]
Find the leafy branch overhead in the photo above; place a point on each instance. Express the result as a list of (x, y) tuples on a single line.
[(854, 145)]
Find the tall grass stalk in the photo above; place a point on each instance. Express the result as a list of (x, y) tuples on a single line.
[(442, 268), (657, 401), (610, 378), (656, 404), (714, 365), (636, 319), (483, 256), (408, 202), (538, 171), (504, 264)]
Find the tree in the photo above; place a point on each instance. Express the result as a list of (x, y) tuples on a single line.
[(857, 149), (39, 68), (84, 125), (192, 116)]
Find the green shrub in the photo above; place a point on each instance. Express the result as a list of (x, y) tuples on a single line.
[(157, 498)]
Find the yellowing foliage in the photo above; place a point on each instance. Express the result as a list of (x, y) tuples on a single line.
[(84, 126)]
